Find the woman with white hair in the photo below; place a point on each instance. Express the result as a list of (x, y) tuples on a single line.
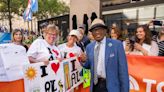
[(44, 50)]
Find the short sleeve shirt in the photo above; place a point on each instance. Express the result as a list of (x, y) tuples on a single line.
[(41, 51), (67, 52)]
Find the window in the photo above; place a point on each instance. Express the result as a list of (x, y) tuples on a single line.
[(134, 1)]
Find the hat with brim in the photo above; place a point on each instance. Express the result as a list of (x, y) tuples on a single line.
[(75, 33), (97, 23)]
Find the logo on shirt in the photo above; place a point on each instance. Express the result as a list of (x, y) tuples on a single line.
[(69, 55), (53, 54)]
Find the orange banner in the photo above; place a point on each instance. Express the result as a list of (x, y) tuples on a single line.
[(14, 86), (146, 73)]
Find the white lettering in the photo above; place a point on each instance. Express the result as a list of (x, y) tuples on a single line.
[(149, 84), (159, 87)]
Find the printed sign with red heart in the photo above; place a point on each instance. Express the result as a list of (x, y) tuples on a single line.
[(55, 67), (71, 55)]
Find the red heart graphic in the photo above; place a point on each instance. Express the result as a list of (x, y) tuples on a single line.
[(55, 67), (71, 55)]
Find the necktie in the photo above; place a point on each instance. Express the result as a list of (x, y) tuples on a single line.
[(96, 54)]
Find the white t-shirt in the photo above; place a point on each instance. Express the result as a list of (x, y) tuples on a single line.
[(42, 51), (152, 49), (67, 52)]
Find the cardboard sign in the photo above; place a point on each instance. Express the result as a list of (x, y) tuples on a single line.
[(55, 77), (12, 59)]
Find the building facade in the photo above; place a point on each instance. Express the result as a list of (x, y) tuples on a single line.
[(130, 13), (79, 8)]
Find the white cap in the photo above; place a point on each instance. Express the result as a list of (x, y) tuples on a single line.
[(75, 33)]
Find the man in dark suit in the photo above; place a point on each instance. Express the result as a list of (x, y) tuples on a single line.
[(107, 61)]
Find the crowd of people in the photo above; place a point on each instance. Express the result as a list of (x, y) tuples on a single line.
[(141, 43), (3, 29), (96, 51)]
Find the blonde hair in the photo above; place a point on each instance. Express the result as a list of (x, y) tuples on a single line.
[(14, 32), (51, 28)]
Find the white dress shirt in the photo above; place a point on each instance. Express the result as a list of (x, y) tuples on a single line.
[(101, 72), (152, 49)]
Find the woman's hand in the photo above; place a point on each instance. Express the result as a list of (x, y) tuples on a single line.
[(46, 62), (137, 46)]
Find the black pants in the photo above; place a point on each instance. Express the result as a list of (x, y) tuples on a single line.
[(100, 86)]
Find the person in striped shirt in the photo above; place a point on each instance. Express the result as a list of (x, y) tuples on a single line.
[(160, 41)]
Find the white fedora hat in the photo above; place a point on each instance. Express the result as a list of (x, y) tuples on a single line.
[(97, 23)]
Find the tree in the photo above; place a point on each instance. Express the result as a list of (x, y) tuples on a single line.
[(46, 8), (49, 8), (8, 8)]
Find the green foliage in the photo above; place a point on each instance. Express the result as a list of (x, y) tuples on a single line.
[(49, 8), (16, 7), (45, 8)]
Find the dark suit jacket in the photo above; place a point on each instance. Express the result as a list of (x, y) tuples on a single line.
[(117, 78)]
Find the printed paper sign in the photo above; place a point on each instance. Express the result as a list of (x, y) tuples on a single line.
[(55, 77), (12, 59)]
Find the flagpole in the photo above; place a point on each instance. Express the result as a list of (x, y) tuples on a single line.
[(28, 27), (31, 26)]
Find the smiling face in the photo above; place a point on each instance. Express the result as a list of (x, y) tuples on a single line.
[(50, 37), (17, 37), (143, 35), (140, 33), (114, 34), (99, 33), (51, 34), (72, 39)]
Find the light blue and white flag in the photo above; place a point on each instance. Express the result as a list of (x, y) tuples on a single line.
[(27, 15), (32, 7)]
